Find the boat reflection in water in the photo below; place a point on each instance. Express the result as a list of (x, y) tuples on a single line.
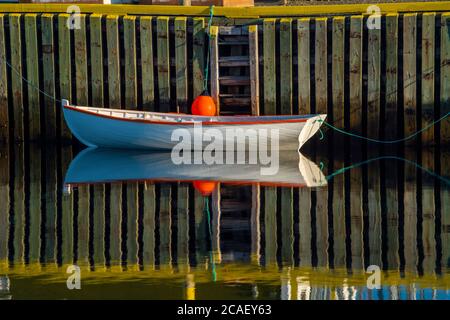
[(97, 165)]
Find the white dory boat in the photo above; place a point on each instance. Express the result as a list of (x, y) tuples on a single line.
[(119, 128)]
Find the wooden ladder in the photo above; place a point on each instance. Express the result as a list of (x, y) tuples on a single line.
[(234, 69)]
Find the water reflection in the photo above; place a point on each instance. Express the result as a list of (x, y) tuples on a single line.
[(140, 228)]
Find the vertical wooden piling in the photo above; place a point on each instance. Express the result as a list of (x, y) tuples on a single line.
[(286, 66), (34, 112), (392, 216), (215, 224), (320, 65), (148, 93), (410, 213), (132, 224), (373, 82), (115, 224), (67, 211), (391, 108), (270, 225), (15, 35), (35, 203), (4, 200), (445, 77), (65, 68), (287, 226), (445, 213), (198, 58), (96, 35), (181, 64), (304, 66), (99, 225), (83, 223), (374, 213), (304, 208), (19, 204), (81, 73), (4, 117), (254, 68), (183, 227), (51, 205), (112, 40), (255, 223), (165, 226), (129, 42), (270, 88), (149, 226), (356, 219), (214, 65), (355, 77), (428, 71), (409, 74), (163, 63)]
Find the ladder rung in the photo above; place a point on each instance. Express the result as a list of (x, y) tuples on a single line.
[(233, 30), (234, 61), (234, 80), (235, 101)]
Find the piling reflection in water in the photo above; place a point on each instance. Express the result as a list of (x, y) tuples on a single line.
[(149, 239)]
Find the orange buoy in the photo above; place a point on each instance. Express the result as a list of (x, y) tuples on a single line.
[(205, 187), (204, 105)]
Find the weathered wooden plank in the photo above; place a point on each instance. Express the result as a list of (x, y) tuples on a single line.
[(96, 60), (355, 77), (149, 226), (338, 71), (270, 88), (35, 203), (165, 226), (181, 64), (67, 211), (409, 74), (356, 219), (83, 225), (392, 216), (65, 68), (286, 66), (4, 202), (322, 227), (270, 225), (391, 108), (51, 205), (19, 204), (200, 227), (287, 226), (428, 71), (214, 66), (304, 66), (99, 225), (445, 212), (148, 87), (48, 63), (339, 229), (132, 223), (410, 213), (428, 214), (129, 42), (198, 59), (183, 227), (32, 60), (15, 36), (4, 117), (115, 224), (255, 223), (254, 68), (163, 63), (215, 224), (304, 208), (374, 213), (445, 77), (320, 65), (112, 40), (373, 82), (81, 74)]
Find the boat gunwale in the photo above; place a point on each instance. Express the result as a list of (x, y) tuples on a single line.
[(296, 119)]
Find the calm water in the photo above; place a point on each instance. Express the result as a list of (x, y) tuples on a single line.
[(165, 240)]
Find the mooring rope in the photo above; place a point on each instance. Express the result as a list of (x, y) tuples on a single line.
[(359, 164), (206, 71), (211, 255), (354, 135)]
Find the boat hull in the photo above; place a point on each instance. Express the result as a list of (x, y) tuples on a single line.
[(95, 130)]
